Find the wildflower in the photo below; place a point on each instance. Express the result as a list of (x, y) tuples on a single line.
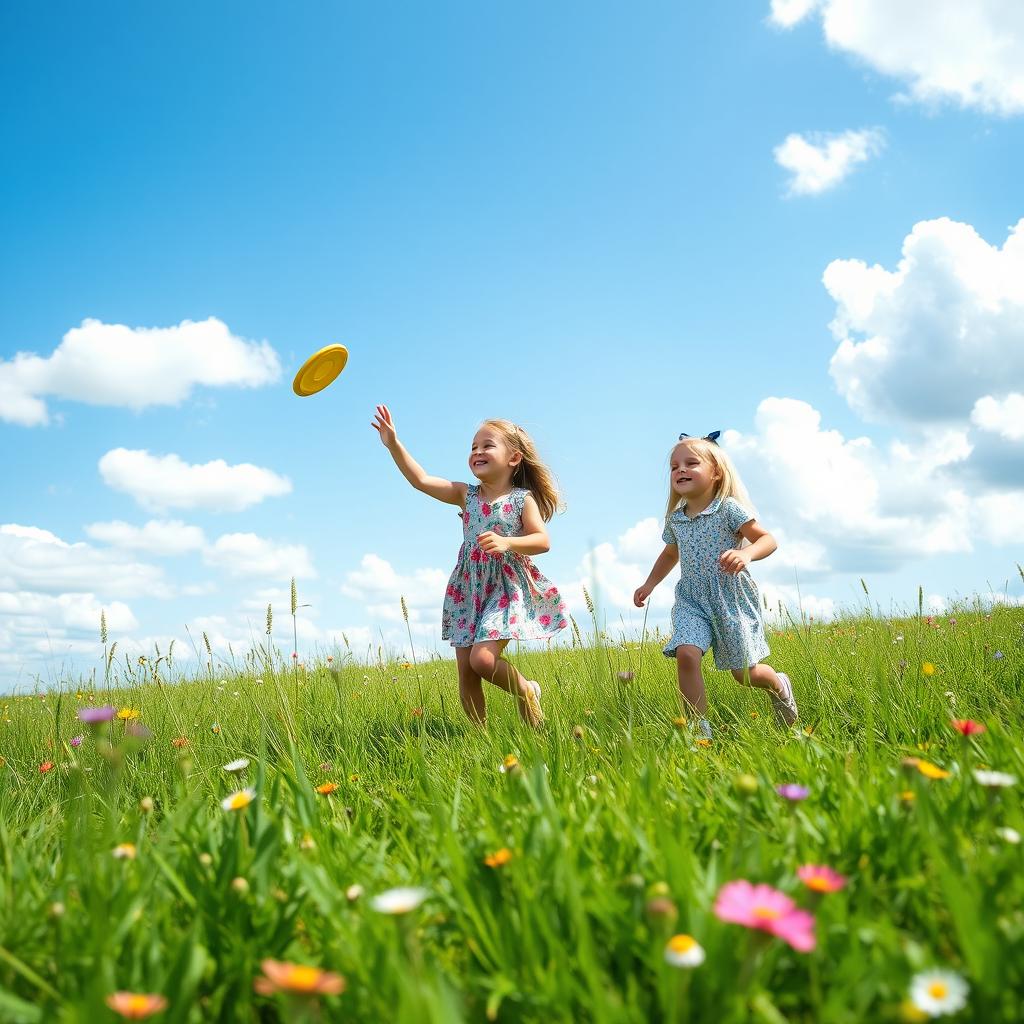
[(136, 730), (998, 656), (938, 992), (178, 742), (330, 658), (327, 788), (127, 714), (994, 780), (124, 851), (76, 741), (679, 721), (238, 765), (767, 909), (146, 805), (624, 677), (908, 796), (353, 892), (927, 668), (135, 1005), (578, 732), (93, 716), (792, 791), (307, 842), (1009, 835), (499, 858), (417, 712), (326, 766), (238, 801), (399, 901), (662, 907), (509, 765), (820, 878), (703, 742), (354, 777), (57, 909), (931, 771), (684, 951), (240, 885), (295, 655), (215, 728), (45, 767), (297, 979), (967, 726)]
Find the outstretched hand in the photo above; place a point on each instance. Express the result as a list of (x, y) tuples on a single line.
[(385, 426), (641, 594)]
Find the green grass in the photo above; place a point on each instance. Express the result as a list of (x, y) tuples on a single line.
[(598, 824)]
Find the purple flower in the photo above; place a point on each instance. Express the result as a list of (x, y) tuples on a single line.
[(998, 655), (792, 791), (93, 716), (76, 741)]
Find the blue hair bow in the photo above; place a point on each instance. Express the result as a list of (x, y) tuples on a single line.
[(712, 437)]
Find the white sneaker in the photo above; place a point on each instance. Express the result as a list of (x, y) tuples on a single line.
[(703, 730), (784, 705)]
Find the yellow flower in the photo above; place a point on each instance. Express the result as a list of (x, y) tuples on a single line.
[(928, 668), (931, 771), (238, 801), (124, 851), (908, 796), (135, 1005), (703, 742), (509, 764), (125, 714), (679, 721), (499, 858)]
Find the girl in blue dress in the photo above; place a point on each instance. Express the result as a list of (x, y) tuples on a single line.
[(495, 593), (716, 601)]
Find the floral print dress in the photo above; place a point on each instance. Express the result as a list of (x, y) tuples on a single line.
[(501, 596)]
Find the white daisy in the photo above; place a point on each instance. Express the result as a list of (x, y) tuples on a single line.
[(238, 801), (684, 951), (238, 765), (994, 780), (399, 901), (1009, 835), (938, 992)]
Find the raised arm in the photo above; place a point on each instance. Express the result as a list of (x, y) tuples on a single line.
[(452, 492), (663, 565)]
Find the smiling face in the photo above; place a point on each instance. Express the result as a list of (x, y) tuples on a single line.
[(692, 477), (491, 459)]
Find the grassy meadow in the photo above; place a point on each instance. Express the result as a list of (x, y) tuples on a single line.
[(549, 870)]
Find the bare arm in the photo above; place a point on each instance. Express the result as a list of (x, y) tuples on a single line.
[(449, 491), (762, 544), (533, 541), (663, 565)]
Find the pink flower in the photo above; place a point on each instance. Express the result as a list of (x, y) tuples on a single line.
[(76, 741), (485, 508), (820, 878), (515, 636), (465, 577), (535, 572), (768, 910), (476, 602), (475, 555), (493, 634), (506, 508), (512, 620), (465, 517), (462, 623), (967, 726), (508, 571), (550, 594), (545, 620), (503, 601)]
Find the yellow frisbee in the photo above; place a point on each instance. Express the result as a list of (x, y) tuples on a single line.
[(319, 370)]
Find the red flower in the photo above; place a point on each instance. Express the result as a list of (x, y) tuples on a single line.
[(493, 634), (485, 508), (545, 620), (45, 767), (506, 508), (967, 726), (465, 517), (475, 556), (503, 601)]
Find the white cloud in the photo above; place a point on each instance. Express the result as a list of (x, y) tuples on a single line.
[(246, 554), (1004, 417), (926, 342), (818, 162), (159, 537), (37, 560), (1002, 516), (71, 611), (135, 367), (160, 482), (378, 586), (969, 52)]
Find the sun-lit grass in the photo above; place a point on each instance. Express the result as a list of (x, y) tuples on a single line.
[(138, 864)]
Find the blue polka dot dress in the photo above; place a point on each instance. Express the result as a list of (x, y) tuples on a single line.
[(713, 608), (500, 596)]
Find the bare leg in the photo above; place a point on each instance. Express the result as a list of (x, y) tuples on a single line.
[(470, 691), (691, 682), (486, 660), (764, 677)]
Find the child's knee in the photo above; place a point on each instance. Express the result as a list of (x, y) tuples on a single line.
[(741, 675), (481, 662), (688, 657)]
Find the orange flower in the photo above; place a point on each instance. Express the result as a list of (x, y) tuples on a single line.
[(967, 726), (179, 742), (417, 712), (45, 767), (326, 788), (279, 976), (136, 1005), (499, 858)]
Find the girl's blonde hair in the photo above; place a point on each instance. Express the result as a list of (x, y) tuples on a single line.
[(728, 484), (531, 472)]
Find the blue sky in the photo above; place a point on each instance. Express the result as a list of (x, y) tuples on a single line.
[(570, 215)]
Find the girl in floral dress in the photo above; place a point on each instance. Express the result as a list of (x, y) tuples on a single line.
[(496, 593)]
